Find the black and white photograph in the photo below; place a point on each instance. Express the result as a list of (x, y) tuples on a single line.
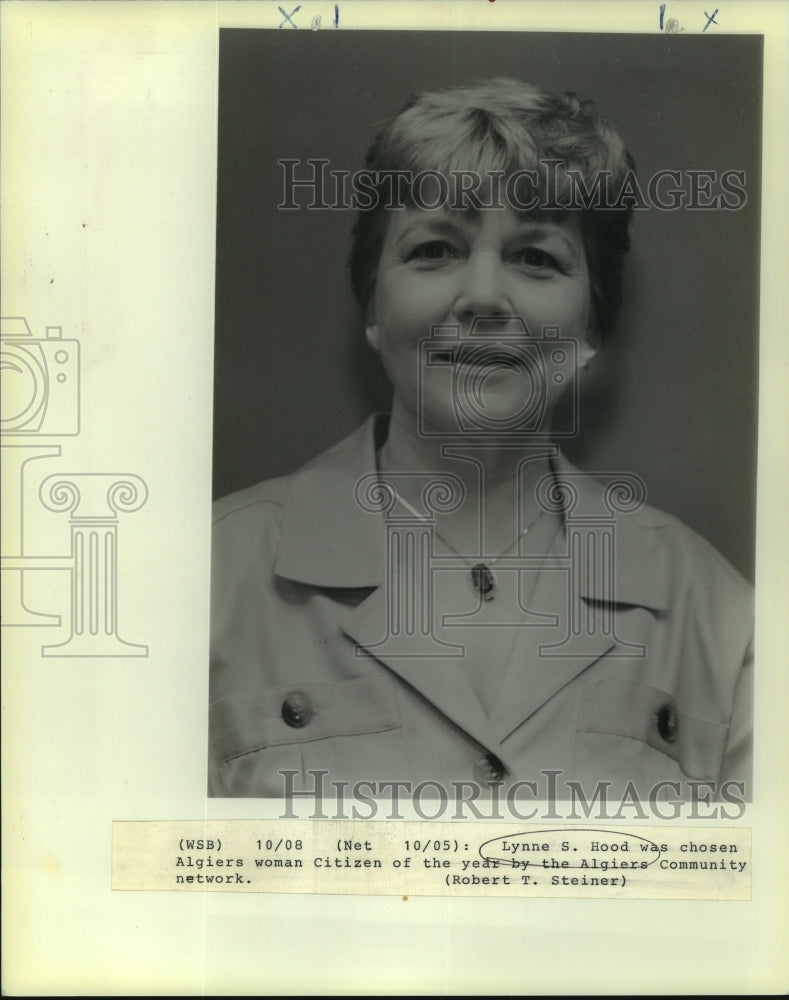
[(393, 426), (487, 316)]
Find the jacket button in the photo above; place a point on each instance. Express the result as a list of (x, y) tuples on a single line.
[(488, 769), (667, 723), (483, 581), (296, 710)]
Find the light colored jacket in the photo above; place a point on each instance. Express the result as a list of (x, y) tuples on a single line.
[(660, 690)]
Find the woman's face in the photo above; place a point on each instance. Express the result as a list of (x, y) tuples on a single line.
[(447, 268)]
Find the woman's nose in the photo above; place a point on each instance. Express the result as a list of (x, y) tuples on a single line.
[(482, 287)]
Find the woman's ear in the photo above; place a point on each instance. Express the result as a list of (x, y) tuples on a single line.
[(586, 351), (371, 328), (371, 332), (587, 348)]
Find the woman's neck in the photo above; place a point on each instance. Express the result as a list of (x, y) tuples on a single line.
[(498, 477)]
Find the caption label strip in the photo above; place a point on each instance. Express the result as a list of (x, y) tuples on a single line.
[(440, 859)]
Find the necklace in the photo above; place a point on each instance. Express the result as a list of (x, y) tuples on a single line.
[(482, 578)]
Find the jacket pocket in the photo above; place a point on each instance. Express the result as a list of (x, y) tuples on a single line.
[(619, 708), (340, 728), (301, 713)]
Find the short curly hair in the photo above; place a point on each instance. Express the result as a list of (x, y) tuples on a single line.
[(506, 126)]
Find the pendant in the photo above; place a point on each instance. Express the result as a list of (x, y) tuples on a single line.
[(483, 581)]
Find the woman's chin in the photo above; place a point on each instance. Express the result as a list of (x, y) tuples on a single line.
[(488, 415)]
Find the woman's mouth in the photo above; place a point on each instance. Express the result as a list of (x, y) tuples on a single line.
[(482, 356)]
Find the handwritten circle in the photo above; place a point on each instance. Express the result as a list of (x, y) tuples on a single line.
[(490, 854)]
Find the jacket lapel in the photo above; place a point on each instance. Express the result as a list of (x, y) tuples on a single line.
[(547, 658), (596, 567), (434, 670)]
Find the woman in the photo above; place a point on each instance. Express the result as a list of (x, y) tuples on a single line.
[(442, 597)]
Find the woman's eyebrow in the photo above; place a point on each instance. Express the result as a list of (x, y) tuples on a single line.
[(533, 230), (434, 227), (449, 226)]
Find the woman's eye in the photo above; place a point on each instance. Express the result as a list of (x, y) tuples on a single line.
[(434, 251), (536, 258)]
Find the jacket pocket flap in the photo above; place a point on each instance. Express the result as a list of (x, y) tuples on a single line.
[(622, 708), (301, 713)]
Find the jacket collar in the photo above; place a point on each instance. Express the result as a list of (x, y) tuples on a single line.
[(328, 540)]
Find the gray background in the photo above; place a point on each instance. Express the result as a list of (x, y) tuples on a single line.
[(672, 395)]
